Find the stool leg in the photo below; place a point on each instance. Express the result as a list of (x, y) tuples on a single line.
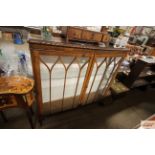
[(3, 116), (28, 112)]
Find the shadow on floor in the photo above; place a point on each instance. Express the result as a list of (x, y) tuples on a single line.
[(124, 113)]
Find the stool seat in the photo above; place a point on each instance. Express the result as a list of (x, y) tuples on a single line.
[(17, 91), (15, 85)]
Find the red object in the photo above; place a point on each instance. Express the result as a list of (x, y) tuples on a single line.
[(133, 30)]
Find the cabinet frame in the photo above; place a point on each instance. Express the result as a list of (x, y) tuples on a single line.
[(38, 48)]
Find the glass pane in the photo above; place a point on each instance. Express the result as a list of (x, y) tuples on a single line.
[(94, 85), (62, 65), (71, 82), (83, 66), (45, 83), (57, 86)]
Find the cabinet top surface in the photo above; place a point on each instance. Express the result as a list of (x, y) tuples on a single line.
[(56, 41)]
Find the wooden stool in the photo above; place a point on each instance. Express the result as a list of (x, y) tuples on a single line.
[(16, 91)]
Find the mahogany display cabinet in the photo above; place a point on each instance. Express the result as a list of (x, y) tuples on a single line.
[(71, 75)]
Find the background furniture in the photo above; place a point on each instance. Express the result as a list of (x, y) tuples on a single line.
[(81, 34), (71, 75), (16, 91), (153, 52), (142, 73)]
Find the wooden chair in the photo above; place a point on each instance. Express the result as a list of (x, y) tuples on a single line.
[(17, 91)]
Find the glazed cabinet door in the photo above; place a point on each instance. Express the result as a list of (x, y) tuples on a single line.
[(62, 79), (104, 71)]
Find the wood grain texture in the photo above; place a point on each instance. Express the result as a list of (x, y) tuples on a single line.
[(15, 85)]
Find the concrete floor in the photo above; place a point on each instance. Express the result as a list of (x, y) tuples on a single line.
[(124, 113)]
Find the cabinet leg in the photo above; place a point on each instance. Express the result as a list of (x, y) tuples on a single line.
[(29, 115), (3, 116), (41, 120)]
